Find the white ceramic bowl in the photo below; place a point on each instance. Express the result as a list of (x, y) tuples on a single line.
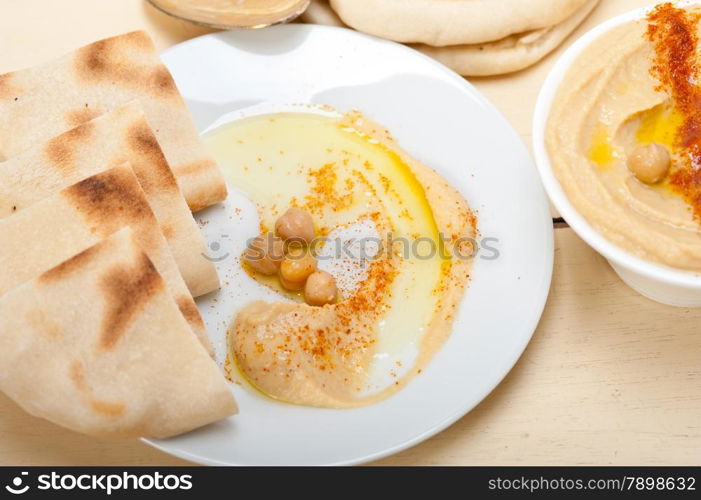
[(657, 282)]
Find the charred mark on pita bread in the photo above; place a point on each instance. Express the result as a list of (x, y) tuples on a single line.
[(110, 198), (141, 139), (78, 133), (138, 39), (107, 408), (189, 310), (77, 376), (81, 115), (71, 265), (94, 58), (168, 231), (195, 167), (126, 291), (60, 149), (103, 60), (59, 154), (38, 321), (162, 82)]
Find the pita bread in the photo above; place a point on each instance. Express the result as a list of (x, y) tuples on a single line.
[(452, 22), (120, 136), (50, 231), (510, 54), (97, 345), (41, 102)]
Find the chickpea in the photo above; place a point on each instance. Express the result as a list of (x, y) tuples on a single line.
[(293, 286), (320, 289), (295, 223), (297, 266), (265, 254), (649, 163)]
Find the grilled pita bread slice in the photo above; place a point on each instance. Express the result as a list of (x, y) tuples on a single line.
[(452, 22), (45, 234), (121, 135), (506, 55), (41, 102), (510, 54), (97, 344)]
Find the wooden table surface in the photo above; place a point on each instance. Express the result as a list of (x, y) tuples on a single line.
[(609, 378)]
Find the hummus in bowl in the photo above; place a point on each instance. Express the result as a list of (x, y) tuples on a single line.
[(615, 137)]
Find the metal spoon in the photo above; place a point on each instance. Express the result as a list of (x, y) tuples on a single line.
[(232, 14)]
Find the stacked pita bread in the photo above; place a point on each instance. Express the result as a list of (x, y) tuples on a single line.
[(101, 257), (474, 37), (119, 136), (41, 102)]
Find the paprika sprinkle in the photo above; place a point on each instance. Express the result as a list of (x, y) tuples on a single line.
[(674, 35)]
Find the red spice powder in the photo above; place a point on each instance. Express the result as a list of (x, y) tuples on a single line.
[(673, 33)]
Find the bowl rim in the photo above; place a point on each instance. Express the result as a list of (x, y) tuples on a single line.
[(576, 221)]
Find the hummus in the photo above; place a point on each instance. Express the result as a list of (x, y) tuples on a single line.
[(622, 92), (348, 173)]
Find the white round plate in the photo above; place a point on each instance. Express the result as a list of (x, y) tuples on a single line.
[(443, 121)]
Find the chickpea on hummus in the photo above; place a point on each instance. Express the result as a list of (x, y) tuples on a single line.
[(624, 136)]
